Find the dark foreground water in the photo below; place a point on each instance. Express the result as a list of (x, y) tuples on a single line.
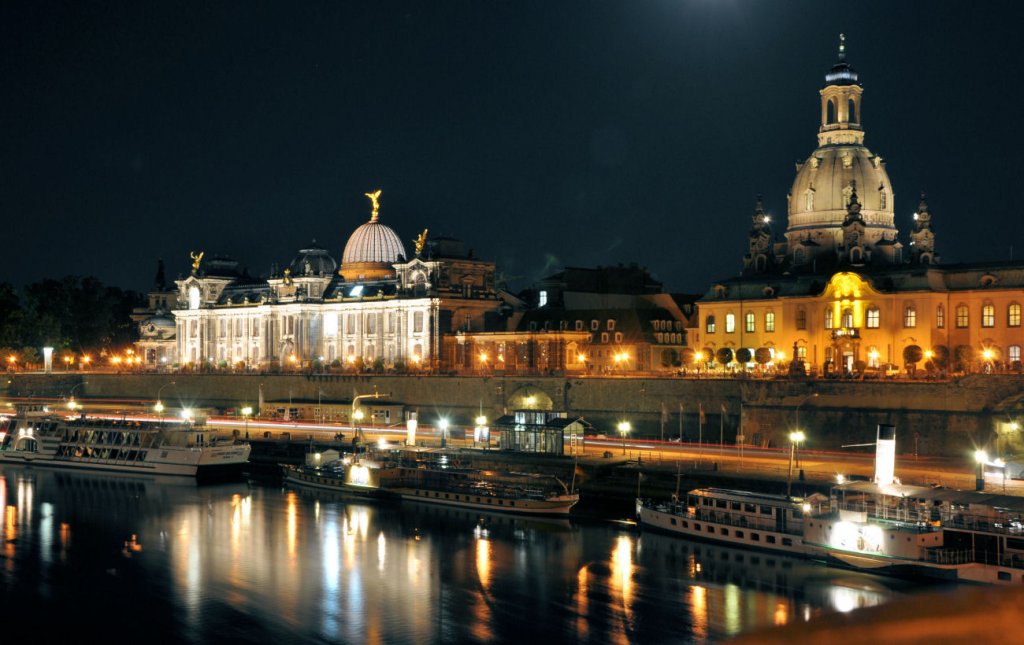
[(126, 559)]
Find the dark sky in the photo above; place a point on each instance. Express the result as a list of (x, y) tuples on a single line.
[(543, 133)]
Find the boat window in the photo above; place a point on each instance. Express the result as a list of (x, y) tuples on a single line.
[(797, 515), (787, 542), (770, 539), (696, 527), (1004, 575), (739, 534), (735, 506), (720, 503), (750, 508), (756, 537), (766, 510), (725, 532)]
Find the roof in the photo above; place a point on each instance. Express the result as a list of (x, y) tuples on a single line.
[(943, 494)]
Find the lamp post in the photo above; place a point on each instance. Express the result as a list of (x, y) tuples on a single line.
[(624, 429), (159, 407), (481, 429), (443, 424), (246, 413), (795, 437), (71, 396), (980, 459), (812, 395)]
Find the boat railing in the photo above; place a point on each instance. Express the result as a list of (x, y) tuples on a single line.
[(719, 517), (949, 556)]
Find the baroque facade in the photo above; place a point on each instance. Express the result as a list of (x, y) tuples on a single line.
[(840, 293), (378, 308)]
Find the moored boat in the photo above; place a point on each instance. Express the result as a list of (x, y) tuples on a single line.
[(183, 448), (328, 470)]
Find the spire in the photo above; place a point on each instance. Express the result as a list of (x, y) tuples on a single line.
[(853, 208), (761, 218)]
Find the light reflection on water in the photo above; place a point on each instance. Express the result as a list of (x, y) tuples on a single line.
[(255, 563)]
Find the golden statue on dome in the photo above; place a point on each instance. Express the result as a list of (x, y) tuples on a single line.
[(196, 259), (374, 198), (421, 241)]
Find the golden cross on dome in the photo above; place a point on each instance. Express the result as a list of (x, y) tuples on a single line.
[(374, 197)]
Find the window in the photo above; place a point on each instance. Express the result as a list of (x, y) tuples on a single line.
[(1013, 315), (709, 324), (801, 318), (417, 321), (962, 316), (749, 322), (611, 324), (594, 325), (988, 316), (801, 352), (847, 321), (769, 321), (730, 323), (618, 337), (829, 322), (604, 337), (542, 298), (873, 318), (1013, 352), (910, 316), (579, 325), (940, 317)]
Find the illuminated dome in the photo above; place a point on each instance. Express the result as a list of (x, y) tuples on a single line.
[(371, 250)]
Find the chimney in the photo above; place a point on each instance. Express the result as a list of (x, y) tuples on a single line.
[(885, 455)]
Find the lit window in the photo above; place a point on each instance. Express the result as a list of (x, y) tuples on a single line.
[(749, 322), (709, 324), (873, 318), (801, 318), (962, 316), (801, 352), (730, 323), (829, 322), (1013, 315), (847, 321), (988, 316), (769, 321), (940, 317), (1014, 353), (910, 317), (542, 299)]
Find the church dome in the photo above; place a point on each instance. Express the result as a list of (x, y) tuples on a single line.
[(371, 250), (313, 261), (823, 184)]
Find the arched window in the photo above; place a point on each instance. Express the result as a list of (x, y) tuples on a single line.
[(730, 323), (809, 200), (940, 317), (709, 324), (1013, 353), (769, 321), (963, 316), (851, 111), (749, 324), (847, 321), (856, 255), (883, 198), (1013, 315), (873, 318), (801, 318), (988, 316), (910, 316), (830, 112), (829, 322)]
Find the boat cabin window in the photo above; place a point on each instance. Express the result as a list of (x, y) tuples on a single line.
[(720, 503), (787, 542), (766, 510), (797, 514), (750, 508), (725, 532), (735, 506), (770, 539), (756, 537), (739, 534)]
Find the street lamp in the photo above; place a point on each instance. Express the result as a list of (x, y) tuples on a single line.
[(795, 438), (443, 424), (812, 395), (71, 396), (246, 413), (481, 430), (980, 459), (624, 429), (159, 407)]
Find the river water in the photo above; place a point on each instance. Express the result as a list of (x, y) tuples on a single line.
[(134, 559)]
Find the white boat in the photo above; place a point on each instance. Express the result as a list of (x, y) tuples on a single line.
[(483, 490), (733, 517), (182, 448), (330, 471)]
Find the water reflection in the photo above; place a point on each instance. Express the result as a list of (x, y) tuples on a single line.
[(257, 563)]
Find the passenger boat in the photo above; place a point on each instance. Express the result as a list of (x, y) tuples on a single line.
[(183, 448), (483, 490), (734, 517), (329, 470)]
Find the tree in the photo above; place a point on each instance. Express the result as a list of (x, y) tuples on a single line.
[(763, 356), (744, 355), (687, 356), (912, 355), (724, 355), (964, 355), (940, 356)]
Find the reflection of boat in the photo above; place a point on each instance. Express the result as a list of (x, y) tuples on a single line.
[(189, 448), (482, 489), (738, 518)]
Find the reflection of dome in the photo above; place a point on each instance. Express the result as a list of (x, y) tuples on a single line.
[(313, 261), (370, 252)]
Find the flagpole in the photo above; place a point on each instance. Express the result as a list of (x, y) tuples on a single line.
[(700, 432), (680, 423)]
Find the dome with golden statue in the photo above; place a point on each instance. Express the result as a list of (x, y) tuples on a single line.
[(372, 249)]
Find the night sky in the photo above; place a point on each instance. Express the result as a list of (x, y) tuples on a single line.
[(544, 134)]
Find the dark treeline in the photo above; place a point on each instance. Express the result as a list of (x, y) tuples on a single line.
[(74, 315)]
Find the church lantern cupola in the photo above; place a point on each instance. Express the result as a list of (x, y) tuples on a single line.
[(840, 104)]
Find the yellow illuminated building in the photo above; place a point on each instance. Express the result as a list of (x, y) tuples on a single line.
[(840, 295)]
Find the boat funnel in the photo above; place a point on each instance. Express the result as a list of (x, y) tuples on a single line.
[(885, 455)]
